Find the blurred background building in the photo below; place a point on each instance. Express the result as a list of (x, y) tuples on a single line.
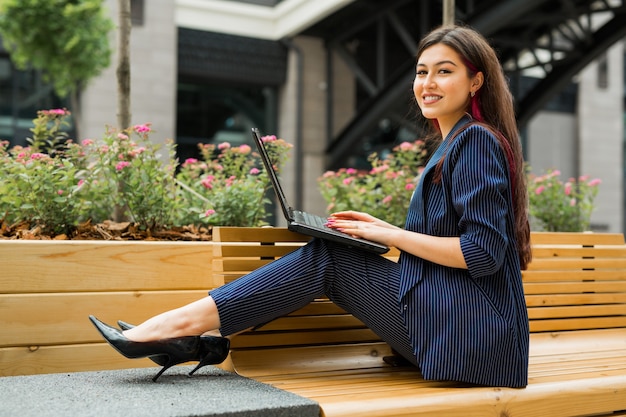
[(334, 77)]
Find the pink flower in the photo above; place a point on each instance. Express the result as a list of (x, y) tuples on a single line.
[(540, 189), (230, 181), (136, 152), (269, 138), (351, 171), (572, 202), (347, 181), (387, 199), (568, 188), (379, 169), (145, 128), (405, 146), (245, 149), (87, 142), (38, 155), (122, 136), (209, 212), (190, 161), (121, 165), (224, 145), (55, 112), (60, 192), (594, 182), (410, 186), (254, 171), (208, 182)]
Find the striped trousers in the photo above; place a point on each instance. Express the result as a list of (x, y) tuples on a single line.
[(364, 284)]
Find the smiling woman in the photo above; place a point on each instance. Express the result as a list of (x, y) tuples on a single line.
[(464, 238)]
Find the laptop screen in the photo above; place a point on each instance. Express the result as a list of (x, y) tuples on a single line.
[(271, 172)]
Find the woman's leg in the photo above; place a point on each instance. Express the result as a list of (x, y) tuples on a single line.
[(192, 319), (364, 284)]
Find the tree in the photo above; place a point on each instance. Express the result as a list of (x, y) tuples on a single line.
[(66, 39)]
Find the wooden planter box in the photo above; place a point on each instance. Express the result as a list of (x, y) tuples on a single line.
[(49, 288)]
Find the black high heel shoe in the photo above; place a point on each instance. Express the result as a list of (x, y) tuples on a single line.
[(160, 360), (208, 350)]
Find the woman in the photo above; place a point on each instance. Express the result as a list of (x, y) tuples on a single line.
[(454, 304)]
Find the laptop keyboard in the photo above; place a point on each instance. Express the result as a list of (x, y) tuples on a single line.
[(310, 219)]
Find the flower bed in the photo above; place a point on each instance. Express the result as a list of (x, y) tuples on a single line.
[(60, 188)]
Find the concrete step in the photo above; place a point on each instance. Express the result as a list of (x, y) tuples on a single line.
[(131, 393)]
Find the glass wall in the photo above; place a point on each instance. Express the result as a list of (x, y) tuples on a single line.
[(209, 112), (22, 94)]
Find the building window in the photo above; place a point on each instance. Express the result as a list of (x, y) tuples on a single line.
[(214, 112), (22, 94), (136, 12)]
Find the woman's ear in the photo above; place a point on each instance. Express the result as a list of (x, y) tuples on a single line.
[(477, 82)]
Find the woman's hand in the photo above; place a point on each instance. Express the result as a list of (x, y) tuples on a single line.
[(363, 225), (442, 250)]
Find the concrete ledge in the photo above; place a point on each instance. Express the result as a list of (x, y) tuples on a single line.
[(131, 392)]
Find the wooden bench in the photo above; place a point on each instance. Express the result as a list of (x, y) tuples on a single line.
[(576, 296)]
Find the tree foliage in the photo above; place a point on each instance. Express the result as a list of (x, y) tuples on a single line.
[(66, 39)]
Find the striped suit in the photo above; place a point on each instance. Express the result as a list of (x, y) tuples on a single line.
[(459, 325)]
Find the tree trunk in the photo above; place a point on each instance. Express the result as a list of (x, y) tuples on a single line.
[(123, 81), (123, 66)]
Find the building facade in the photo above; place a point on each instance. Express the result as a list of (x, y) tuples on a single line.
[(208, 70)]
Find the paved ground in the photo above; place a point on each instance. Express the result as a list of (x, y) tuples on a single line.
[(131, 392)]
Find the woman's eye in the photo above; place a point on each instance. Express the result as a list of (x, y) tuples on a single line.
[(421, 72), (444, 71)]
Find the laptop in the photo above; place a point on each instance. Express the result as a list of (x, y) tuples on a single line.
[(307, 223)]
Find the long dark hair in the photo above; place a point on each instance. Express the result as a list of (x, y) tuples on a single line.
[(491, 106)]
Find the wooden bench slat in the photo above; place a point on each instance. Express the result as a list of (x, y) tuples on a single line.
[(255, 234), (299, 338), (318, 323), (579, 323), (533, 288), (319, 307), (596, 275), (562, 343), (559, 264), (552, 251), (576, 311), (578, 239), (258, 251), (303, 359), (574, 299), (242, 266)]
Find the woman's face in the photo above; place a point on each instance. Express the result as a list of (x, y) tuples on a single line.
[(442, 85)]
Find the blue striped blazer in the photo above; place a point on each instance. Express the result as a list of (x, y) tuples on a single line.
[(467, 325)]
